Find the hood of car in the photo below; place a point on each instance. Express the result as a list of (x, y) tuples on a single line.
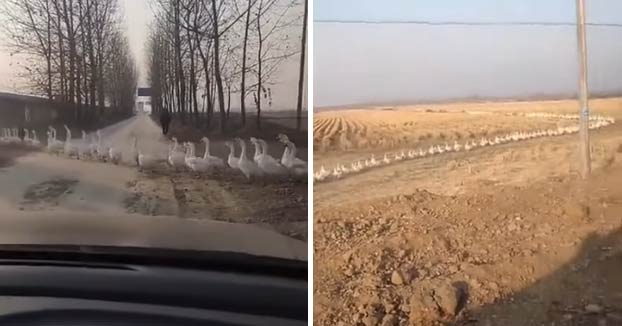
[(167, 232)]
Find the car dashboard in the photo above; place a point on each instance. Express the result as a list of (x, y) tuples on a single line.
[(60, 290)]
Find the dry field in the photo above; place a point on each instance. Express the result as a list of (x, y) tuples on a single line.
[(502, 235), (348, 135)]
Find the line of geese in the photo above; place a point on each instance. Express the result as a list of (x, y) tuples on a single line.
[(178, 156), (11, 136), (343, 170), (261, 165)]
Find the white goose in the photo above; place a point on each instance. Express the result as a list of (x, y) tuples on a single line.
[(268, 164), (214, 161), (69, 149), (337, 173), (93, 146), (258, 149), (16, 135), (286, 154), (299, 170), (232, 160), (50, 145), (145, 161), (290, 160), (248, 167), (457, 147), (83, 148), (35, 140), (192, 162), (386, 160), (323, 173), (467, 146), (176, 158), (115, 154), (102, 150), (27, 139), (263, 146)]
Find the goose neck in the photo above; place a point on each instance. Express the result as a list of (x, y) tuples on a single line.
[(207, 153), (264, 147), (243, 154), (292, 149)]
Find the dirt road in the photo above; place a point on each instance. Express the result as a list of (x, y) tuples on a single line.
[(502, 235), (38, 181)]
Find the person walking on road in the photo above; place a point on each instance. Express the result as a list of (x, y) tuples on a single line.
[(165, 120)]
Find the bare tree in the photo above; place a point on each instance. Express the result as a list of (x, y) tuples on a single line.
[(273, 46), (74, 41), (301, 78), (212, 49)]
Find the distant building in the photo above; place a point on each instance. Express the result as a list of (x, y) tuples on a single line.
[(143, 100), (30, 111)]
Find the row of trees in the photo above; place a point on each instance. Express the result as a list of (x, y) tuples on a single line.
[(77, 52), (201, 53)]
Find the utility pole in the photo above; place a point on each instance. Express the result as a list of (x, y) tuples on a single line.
[(583, 92)]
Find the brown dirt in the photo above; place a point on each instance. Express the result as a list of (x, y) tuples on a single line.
[(226, 195), (499, 236), (230, 198), (223, 196)]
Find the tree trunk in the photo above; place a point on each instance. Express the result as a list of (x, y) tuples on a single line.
[(179, 70), (228, 100), (243, 72), (49, 44), (91, 51), (301, 77), (221, 95), (61, 49), (259, 64)]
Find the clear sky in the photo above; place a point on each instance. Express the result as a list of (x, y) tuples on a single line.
[(359, 63), (598, 11), (138, 15)]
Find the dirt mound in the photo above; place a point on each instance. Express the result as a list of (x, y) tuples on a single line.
[(400, 253)]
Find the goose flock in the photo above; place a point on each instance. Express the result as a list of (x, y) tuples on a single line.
[(179, 156), (342, 170)]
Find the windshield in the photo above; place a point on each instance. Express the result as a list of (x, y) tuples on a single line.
[(173, 124)]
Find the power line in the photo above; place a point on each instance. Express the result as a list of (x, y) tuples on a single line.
[(458, 23)]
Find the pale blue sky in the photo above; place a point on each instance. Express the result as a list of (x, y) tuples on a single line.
[(360, 63), (598, 11)]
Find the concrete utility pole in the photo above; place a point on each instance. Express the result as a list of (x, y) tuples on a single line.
[(583, 92)]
